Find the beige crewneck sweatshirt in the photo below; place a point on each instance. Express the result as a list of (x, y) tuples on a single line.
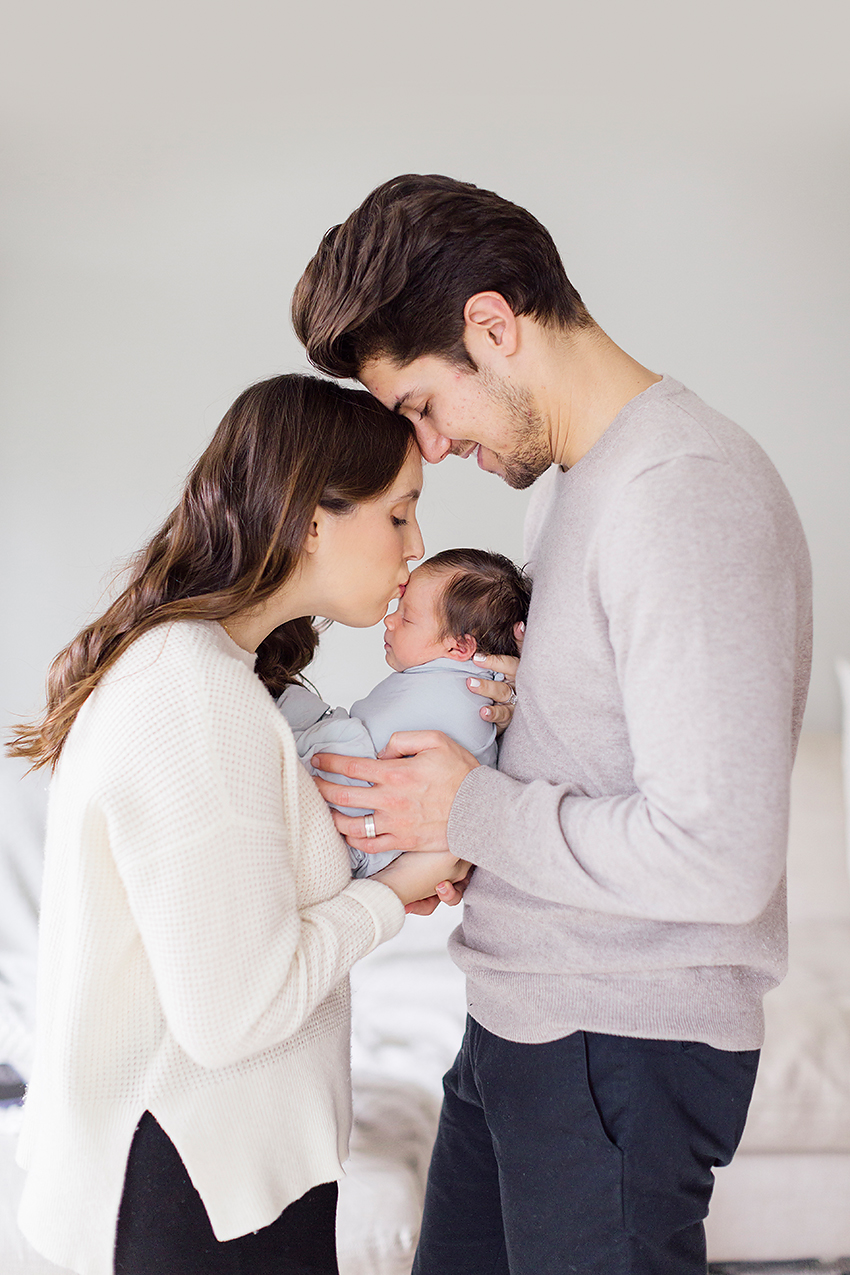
[(198, 924), (631, 846)]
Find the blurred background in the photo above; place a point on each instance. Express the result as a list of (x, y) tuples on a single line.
[(169, 169)]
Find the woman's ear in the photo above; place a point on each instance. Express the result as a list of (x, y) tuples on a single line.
[(316, 529), (462, 648)]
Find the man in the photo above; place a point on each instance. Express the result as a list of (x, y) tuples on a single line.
[(627, 911)]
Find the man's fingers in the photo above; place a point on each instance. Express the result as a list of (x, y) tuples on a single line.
[(336, 795), (379, 798), (407, 743), (352, 767), (351, 827)]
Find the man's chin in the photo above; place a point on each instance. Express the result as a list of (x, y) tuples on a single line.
[(520, 477)]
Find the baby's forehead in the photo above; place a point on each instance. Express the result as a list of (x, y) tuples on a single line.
[(434, 581)]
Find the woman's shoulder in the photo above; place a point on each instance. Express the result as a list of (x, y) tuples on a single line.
[(181, 692), (183, 647), (182, 667)]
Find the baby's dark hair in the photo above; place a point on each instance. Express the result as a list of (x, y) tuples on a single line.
[(485, 597)]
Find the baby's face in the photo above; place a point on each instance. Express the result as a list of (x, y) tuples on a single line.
[(411, 634)]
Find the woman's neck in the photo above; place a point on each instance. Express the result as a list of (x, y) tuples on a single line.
[(251, 626)]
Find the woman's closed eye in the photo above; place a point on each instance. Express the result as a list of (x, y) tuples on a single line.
[(399, 522)]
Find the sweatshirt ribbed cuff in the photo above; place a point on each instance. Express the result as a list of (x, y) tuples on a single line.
[(385, 908), (475, 814)]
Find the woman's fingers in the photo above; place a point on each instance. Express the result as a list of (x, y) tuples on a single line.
[(423, 907), (499, 714), (506, 664), (501, 693), (447, 892)]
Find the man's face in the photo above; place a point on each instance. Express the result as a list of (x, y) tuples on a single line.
[(457, 411)]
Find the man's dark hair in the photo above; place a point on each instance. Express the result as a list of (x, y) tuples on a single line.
[(392, 281), (485, 597)]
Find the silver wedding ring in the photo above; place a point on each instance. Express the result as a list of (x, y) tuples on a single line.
[(369, 821), (511, 700)]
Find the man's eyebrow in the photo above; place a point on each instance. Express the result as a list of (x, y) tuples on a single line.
[(400, 402)]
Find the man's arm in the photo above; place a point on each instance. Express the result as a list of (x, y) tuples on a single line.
[(703, 621)]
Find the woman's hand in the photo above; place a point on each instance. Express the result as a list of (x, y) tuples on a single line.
[(416, 876), (448, 892), (502, 693)]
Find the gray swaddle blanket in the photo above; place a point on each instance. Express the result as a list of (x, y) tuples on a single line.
[(432, 696)]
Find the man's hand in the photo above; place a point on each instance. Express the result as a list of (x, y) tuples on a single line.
[(414, 782), (502, 693)]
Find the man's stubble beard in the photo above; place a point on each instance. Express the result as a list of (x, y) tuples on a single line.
[(532, 454)]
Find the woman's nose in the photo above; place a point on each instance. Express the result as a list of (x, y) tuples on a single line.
[(431, 444), (414, 544)]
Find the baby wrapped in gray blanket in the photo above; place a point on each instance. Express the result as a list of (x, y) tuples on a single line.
[(456, 603)]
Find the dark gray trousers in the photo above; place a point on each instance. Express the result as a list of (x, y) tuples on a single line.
[(591, 1155)]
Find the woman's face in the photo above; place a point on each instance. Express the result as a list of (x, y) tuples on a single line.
[(360, 563)]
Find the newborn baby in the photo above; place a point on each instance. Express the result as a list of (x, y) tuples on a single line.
[(456, 603)]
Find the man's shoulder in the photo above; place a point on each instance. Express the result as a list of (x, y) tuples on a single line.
[(669, 422), (670, 433)]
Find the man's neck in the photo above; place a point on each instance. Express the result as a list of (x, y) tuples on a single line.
[(588, 381)]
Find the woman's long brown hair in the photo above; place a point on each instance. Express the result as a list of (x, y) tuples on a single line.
[(286, 446)]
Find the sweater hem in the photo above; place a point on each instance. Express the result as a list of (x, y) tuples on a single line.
[(721, 1007)]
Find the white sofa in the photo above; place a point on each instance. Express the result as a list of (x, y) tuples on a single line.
[(785, 1197)]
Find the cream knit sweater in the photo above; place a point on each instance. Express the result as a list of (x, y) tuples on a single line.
[(198, 926)]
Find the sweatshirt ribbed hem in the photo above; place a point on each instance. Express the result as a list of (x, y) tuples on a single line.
[(720, 1007)]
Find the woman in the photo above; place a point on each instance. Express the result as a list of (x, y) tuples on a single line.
[(191, 1083)]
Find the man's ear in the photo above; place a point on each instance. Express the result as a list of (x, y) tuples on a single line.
[(490, 325), (462, 648)]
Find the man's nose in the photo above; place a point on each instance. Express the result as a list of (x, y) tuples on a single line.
[(431, 444)]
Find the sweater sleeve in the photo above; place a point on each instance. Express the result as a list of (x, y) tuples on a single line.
[(243, 905), (700, 599)]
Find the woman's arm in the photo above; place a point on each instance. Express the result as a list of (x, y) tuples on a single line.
[(235, 877), (416, 876)]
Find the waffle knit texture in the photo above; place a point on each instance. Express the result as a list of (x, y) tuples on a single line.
[(198, 926), (630, 849)]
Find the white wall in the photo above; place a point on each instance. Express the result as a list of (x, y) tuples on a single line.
[(170, 167)]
